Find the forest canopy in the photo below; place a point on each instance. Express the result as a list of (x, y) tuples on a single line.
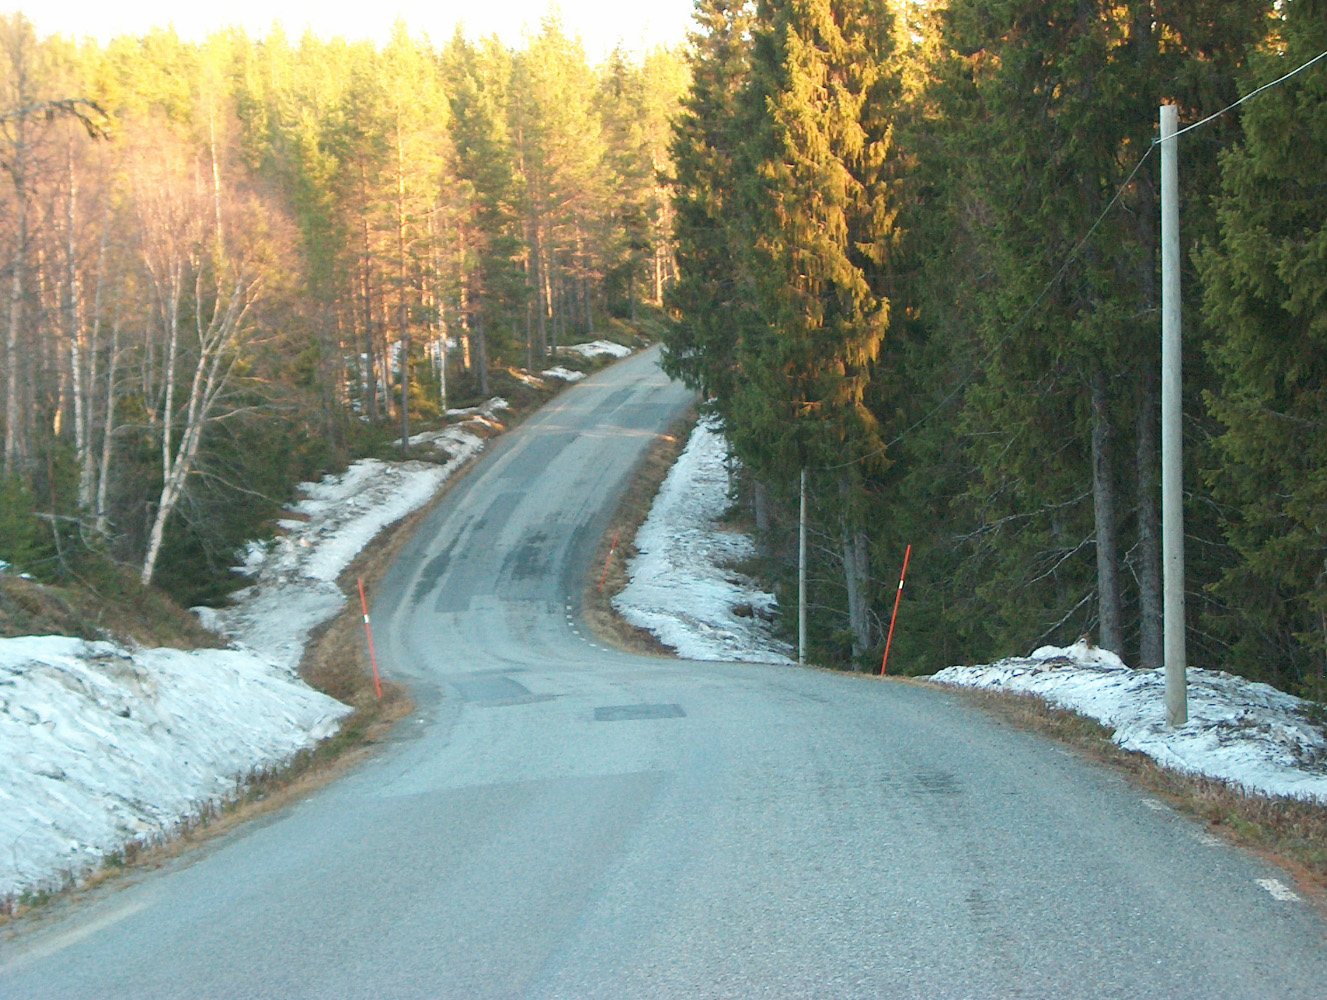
[(918, 266), (228, 266), (908, 252)]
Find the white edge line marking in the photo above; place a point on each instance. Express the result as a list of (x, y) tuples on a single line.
[(1279, 890), (60, 941)]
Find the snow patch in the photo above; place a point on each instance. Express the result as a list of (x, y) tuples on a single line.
[(525, 377), (105, 745), (488, 410), (682, 586), (598, 348), (565, 374), (1240, 731)]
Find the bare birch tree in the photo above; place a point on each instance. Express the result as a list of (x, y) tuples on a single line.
[(205, 274)]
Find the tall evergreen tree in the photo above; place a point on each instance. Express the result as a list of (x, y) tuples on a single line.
[(1065, 97), (489, 212), (712, 295), (1266, 300)]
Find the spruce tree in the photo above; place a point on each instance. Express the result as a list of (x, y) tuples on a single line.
[(1265, 289), (712, 295)]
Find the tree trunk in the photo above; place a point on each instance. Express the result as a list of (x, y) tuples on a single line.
[(1104, 509), (402, 314), (88, 466), (658, 275), (108, 429), (760, 501), (368, 365), (15, 445), (541, 292), (1151, 619), (856, 572), (551, 297), (481, 353)]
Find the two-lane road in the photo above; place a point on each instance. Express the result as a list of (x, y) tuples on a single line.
[(563, 820)]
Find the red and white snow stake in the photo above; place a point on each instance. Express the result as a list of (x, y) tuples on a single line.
[(368, 632), (893, 618)]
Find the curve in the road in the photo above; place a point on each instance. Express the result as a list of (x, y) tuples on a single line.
[(563, 820)]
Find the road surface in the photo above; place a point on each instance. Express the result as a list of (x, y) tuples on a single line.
[(564, 820)]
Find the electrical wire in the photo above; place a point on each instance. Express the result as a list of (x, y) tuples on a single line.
[(1014, 328), (1065, 266), (1251, 94)]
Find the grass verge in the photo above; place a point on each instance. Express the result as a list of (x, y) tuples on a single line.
[(630, 514), (1291, 833)]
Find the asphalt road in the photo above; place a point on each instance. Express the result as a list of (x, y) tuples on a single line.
[(563, 820)]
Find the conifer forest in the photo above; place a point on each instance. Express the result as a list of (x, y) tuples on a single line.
[(906, 251), (230, 267)]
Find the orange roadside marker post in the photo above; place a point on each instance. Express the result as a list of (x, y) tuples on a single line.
[(607, 558), (368, 632), (893, 618)]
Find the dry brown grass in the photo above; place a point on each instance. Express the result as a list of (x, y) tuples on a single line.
[(631, 512), (1291, 833), (113, 605)]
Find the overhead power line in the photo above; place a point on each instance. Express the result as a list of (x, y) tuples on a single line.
[(1069, 259), (1252, 94)]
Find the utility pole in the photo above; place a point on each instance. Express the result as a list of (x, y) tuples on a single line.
[(801, 575), (1172, 464)]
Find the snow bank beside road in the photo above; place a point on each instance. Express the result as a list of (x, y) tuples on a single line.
[(1246, 733), (104, 745), (683, 588), (1239, 731), (294, 589), (598, 348)]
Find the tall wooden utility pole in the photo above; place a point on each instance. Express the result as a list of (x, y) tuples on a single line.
[(801, 574), (1172, 479)]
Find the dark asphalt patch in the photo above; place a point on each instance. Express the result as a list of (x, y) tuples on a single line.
[(629, 713), (489, 689)]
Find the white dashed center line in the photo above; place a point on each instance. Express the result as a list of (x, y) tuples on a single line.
[(1279, 890)]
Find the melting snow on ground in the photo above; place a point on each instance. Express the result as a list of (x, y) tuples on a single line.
[(683, 591), (566, 374), (683, 586), (1239, 731), (598, 348), (104, 745)]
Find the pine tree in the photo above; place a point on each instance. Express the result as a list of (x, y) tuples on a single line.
[(489, 209)]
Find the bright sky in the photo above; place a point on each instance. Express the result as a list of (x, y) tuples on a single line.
[(600, 23)]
